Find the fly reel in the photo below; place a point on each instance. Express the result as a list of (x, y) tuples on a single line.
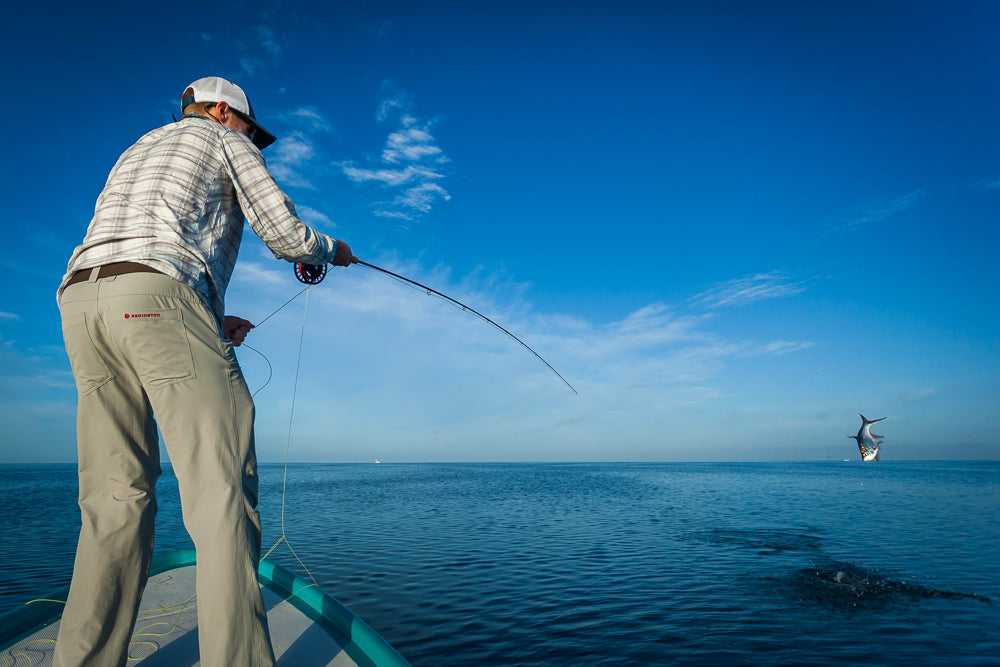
[(310, 274)]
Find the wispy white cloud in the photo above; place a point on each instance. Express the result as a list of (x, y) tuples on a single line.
[(265, 48), (915, 394), (8, 316), (383, 32), (780, 347), (989, 184), (266, 43), (307, 119), (292, 154), (394, 102), (411, 161), (743, 291), (263, 274), (862, 217), (294, 149), (26, 369), (389, 177), (411, 144), (314, 217), (250, 66), (296, 159), (269, 42), (406, 177), (420, 198), (299, 157), (412, 362), (658, 345), (655, 355)]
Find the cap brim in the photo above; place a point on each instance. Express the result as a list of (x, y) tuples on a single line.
[(262, 138)]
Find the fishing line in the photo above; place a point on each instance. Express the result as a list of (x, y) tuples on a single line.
[(288, 444), (270, 370), (282, 306)]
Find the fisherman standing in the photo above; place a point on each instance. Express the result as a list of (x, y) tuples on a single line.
[(142, 307)]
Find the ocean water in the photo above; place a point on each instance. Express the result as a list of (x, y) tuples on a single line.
[(609, 564)]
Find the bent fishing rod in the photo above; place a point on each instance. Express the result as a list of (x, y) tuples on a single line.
[(313, 274)]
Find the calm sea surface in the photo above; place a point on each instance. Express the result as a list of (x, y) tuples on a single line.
[(609, 564)]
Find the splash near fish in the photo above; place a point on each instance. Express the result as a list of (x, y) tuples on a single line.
[(868, 442), (851, 588)]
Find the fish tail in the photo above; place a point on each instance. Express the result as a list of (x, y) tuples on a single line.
[(867, 421)]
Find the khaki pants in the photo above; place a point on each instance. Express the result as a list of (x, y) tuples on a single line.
[(140, 345)]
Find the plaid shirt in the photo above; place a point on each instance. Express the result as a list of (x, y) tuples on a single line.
[(176, 201)]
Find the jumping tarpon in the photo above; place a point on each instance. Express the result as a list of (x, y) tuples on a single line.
[(868, 442)]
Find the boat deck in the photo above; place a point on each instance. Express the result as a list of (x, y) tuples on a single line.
[(307, 627)]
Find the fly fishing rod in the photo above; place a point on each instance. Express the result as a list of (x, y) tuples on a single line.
[(312, 274)]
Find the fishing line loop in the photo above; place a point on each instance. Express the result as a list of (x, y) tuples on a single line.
[(270, 370)]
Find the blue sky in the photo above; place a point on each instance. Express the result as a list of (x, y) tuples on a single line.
[(730, 225)]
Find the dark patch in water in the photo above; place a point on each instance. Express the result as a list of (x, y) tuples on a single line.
[(848, 587), (836, 585), (765, 542)]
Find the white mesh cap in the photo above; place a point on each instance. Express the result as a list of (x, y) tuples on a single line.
[(217, 89)]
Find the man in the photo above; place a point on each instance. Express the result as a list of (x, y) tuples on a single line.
[(149, 344)]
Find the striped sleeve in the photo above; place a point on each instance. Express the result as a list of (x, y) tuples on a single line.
[(268, 209)]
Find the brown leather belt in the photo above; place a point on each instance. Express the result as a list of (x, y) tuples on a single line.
[(114, 269)]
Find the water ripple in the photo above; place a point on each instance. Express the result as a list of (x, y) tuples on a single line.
[(608, 564)]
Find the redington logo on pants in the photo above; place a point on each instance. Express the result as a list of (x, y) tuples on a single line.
[(127, 315)]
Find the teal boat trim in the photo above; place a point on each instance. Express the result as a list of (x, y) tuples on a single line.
[(361, 642), (17, 624)]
